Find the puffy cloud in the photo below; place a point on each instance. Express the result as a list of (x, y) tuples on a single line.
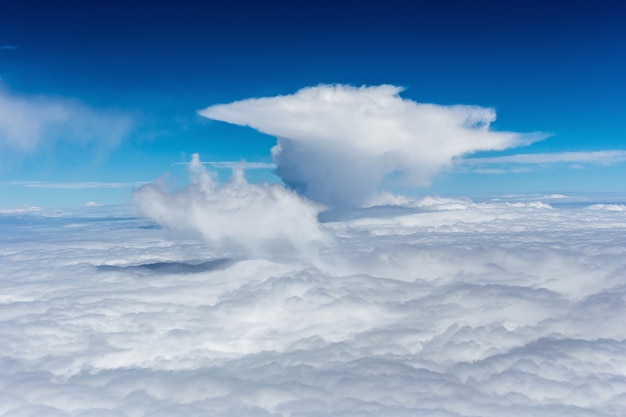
[(437, 307), (29, 122), (337, 143), (266, 220)]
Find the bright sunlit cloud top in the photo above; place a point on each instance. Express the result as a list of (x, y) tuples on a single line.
[(337, 143)]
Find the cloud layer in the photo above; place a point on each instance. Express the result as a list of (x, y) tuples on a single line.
[(237, 217), (337, 143), (439, 307)]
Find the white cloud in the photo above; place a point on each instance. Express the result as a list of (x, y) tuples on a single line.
[(262, 219), (442, 307), (30, 122), (73, 185), (243, 165), (32, 209), (337, 143), (594, 157)]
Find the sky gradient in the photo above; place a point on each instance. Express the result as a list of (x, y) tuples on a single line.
[(96, 100)]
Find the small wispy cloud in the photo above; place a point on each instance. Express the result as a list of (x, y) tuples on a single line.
[(7, 47), (28, 123), (523, 162), (595, 157), (73, 185), (244, 165), (500, 170)]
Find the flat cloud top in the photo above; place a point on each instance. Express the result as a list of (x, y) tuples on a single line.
[(337, 143)]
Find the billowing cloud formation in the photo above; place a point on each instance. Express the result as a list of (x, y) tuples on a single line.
[(263, 219), (27, 123), (337, 143), (439, 307)]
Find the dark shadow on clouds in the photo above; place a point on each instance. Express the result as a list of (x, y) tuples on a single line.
[(172, 267), (337, 215)]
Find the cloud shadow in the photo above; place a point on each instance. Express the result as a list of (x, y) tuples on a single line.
[(172, 267)]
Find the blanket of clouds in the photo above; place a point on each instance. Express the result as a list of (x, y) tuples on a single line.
[(428, 306)]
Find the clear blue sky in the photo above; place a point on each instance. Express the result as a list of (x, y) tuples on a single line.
[(554, 67)]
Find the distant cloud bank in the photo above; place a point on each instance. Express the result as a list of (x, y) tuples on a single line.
[(337, 143)]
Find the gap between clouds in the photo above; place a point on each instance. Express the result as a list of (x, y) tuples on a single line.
[(337, 143)]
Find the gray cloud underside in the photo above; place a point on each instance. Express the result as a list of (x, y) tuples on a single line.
[(448, 308)]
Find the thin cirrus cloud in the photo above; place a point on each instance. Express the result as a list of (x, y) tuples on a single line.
[(73, 185), (594, 157), (337, 143), (244, 165), (28, 123)]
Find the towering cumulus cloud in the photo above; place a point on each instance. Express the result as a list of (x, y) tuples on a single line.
[(260, 220), (337, 143)]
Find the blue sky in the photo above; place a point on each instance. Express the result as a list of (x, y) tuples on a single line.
[(120, 84)]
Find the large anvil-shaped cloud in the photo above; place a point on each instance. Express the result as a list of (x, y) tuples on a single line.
[(337, 143)]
